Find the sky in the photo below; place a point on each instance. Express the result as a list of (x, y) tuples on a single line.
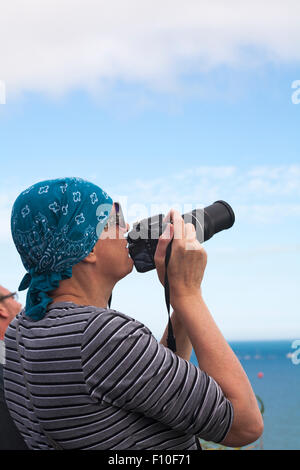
[(166, 104)]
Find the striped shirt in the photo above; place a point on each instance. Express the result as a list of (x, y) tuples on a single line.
[(99, 379), (2, 352)]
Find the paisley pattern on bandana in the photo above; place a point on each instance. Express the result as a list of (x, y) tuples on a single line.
[(55, 224)]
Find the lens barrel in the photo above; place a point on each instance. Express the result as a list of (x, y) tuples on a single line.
[(210, 220)]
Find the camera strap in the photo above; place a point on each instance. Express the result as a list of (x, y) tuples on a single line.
[(171, 342)]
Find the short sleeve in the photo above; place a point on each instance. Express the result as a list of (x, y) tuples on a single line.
[(126, 367)]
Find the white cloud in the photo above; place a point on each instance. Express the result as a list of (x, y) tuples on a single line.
[(8, 194), (58, 45), (282, 180), (5, 211), (268, 213), (258, 250), (260, 187)]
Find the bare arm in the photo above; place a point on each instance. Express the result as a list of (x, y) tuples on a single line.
[(185, 271)]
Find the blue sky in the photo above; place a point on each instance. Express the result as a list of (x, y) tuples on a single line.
[(187, 133)]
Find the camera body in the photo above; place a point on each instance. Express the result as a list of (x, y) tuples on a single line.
[(143, 238)]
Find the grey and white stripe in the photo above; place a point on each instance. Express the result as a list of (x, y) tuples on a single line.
[(2, 352), (99, 379)]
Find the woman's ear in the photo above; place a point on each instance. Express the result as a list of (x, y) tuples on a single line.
[(3, 312), (91, 257)]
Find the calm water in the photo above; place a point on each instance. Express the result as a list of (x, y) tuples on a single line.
[(279, 389)]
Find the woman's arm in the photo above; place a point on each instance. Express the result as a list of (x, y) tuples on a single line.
[(217, 359), (185, 273)]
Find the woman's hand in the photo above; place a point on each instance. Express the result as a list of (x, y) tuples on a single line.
[(188, 258)]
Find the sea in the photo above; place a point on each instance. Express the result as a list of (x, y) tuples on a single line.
[(273, 368)]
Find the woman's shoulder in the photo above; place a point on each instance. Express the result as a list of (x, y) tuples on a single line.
[(108, 316)]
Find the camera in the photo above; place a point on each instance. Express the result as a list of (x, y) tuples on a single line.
[(143, 238)]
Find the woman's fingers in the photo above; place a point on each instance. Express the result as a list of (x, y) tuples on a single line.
[(185, 270), (161, 249), (164, 241), (177, 221), (191, 242)]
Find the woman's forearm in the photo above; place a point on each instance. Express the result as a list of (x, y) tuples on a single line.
[(215, 357)]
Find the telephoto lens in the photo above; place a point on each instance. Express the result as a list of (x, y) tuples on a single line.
[(143, 238), (210, 220)]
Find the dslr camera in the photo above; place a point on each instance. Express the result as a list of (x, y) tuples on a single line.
[(143, 238)]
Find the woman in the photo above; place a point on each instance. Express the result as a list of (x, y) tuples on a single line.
[(95, 378)]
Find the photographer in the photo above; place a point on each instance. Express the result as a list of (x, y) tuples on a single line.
[(95, 378)]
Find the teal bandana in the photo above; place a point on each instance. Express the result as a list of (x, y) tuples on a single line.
[(55, 224)]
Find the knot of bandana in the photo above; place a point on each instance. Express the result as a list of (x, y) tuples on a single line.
[(55, 224)]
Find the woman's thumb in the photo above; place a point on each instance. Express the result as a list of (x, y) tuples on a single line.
[(163, 242)]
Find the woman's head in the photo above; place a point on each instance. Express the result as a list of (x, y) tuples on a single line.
[(110, 254), (55, 225)]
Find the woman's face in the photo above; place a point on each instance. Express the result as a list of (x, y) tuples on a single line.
[(112, 250), (10, 304)]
